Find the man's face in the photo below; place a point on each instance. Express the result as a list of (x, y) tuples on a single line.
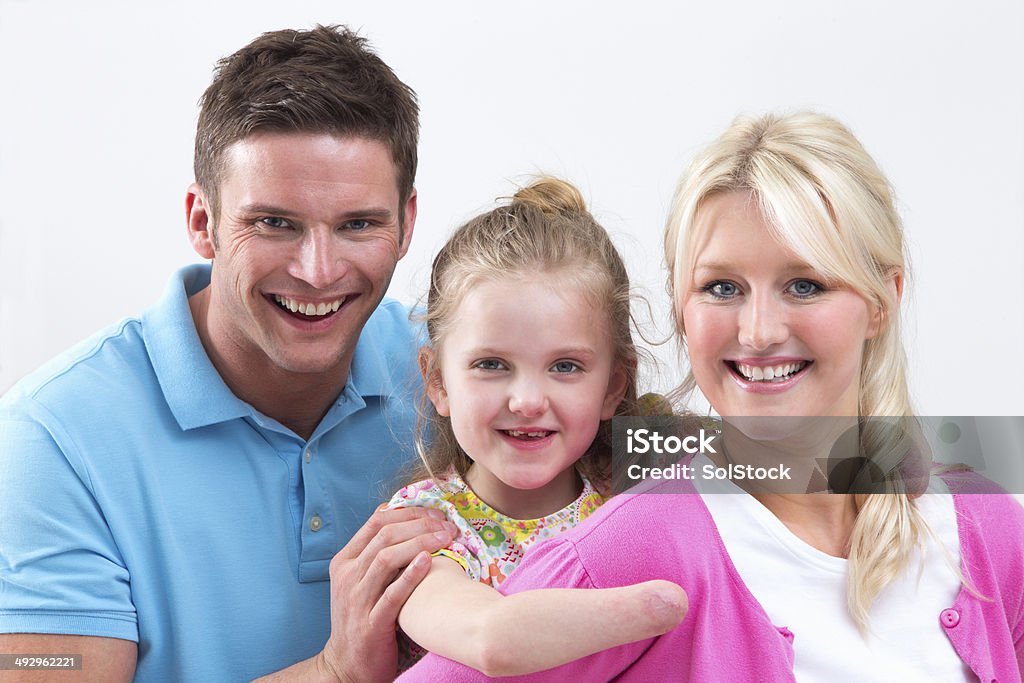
[(306, 242)]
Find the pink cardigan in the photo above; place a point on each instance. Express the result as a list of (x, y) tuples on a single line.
[(726, 634)]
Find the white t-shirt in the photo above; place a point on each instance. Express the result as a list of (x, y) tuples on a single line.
[(804, 589)]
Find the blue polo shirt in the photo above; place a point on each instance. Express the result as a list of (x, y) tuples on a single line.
[(140, 499)]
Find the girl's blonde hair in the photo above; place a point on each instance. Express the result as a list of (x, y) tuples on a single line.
[(547, 229), (824, 198)]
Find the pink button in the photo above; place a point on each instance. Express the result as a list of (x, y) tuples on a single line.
[(949, 618)]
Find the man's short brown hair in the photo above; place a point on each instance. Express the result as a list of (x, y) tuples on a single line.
[(325, 80)]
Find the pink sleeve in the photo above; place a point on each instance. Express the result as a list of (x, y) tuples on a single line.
[(992, 544), (551, 564)]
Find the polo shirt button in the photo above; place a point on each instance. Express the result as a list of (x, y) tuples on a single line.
[(949, 618), (309, 455), (315, 523)]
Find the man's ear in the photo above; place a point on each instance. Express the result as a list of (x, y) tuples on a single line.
[(199, 221), (432, 381), (616, 391), (408, 224), (879, 321)]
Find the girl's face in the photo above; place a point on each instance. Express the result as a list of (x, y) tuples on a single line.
[(527, 372), (766, 335)]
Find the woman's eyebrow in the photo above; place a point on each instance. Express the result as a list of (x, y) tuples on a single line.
[(790, 267), (711, 265)]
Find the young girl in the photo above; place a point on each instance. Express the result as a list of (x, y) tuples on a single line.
[(530, 356)]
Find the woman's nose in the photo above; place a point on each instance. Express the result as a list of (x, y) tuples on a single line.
[(763, 322)]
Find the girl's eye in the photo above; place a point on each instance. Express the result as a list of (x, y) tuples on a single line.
[(721, 289), (489, 364), (275, 222), (805, 288), (565, 366)]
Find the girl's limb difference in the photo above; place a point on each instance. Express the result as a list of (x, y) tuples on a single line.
[(513, 635)]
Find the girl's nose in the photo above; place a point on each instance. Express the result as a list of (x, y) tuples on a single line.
[(527, 399)]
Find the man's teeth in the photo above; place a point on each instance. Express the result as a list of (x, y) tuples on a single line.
[(308, 308), (527, 435), (774, 373)]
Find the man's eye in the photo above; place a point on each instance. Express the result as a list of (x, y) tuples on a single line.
[(275, 222), (357, 224), (565, 366)]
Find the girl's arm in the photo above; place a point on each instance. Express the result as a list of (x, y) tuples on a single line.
[(474, 624)]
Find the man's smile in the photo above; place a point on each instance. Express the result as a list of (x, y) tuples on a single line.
[(309, 308)]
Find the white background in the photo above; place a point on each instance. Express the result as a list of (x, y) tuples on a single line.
[(99, 111)]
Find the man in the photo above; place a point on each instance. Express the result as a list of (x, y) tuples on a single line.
[(175, 488)]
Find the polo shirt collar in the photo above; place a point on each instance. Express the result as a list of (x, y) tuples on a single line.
[(192, 387), (370, 374)]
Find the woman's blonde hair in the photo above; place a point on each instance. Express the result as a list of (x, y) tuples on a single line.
[(547, 229), (825, 199)]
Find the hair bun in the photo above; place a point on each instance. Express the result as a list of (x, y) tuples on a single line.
[(552, 196)]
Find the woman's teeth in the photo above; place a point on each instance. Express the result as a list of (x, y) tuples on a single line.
[(775, 373), (308, 308)]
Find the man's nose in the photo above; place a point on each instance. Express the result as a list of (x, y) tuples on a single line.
[(320, 261), (763, 322), (527, 397)]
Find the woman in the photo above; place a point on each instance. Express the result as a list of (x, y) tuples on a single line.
[(786, 268)]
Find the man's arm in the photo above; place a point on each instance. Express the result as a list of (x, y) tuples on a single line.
[(465, 620), (57, 555), (371, 578), (103, 659), (370, 581)]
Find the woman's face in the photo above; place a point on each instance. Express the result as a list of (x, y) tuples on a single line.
[(766, 334)]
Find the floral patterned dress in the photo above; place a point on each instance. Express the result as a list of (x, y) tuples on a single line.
[(490, 544)]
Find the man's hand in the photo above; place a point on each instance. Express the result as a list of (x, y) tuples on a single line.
[(371, 578)]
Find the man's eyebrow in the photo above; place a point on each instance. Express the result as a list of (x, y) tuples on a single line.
[(379, 213), (264, 208)]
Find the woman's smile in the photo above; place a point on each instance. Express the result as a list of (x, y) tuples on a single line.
[(768, 376)]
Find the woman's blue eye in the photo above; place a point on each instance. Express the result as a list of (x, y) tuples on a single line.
[(805, 288), (489, 364), (565, 366), (721, 289)]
